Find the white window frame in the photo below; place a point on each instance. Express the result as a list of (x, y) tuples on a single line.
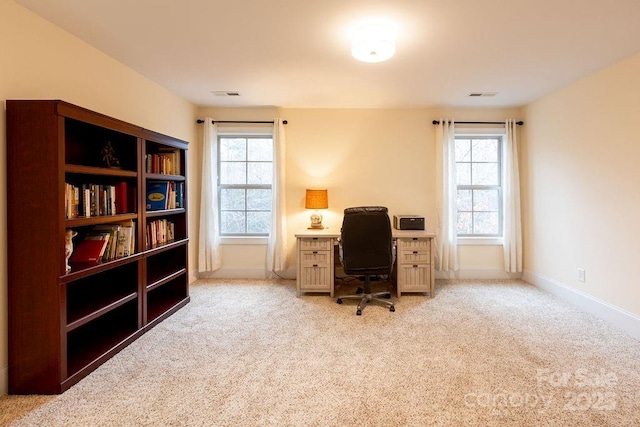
[(240, 239), (486, 133)]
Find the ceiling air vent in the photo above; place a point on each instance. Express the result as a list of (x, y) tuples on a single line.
[(479, 94), (225, 93)]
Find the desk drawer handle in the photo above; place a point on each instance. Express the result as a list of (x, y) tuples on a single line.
[(315, 265), (314, 252), (415, 252), (314, 238), (415, 266), (414, 238)]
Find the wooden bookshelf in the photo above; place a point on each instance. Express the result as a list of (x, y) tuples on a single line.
[(64, 324)]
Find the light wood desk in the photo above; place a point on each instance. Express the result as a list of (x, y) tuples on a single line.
[(412, 272)]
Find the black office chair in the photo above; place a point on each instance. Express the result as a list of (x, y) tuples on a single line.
[(366, 250)]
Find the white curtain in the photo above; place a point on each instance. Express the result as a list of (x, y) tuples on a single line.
[(277, 245), (209, 259), (446, 197), (511, 199)]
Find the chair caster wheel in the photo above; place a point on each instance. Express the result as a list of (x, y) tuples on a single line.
[(358, 312), (388, 296), (339, 300), (392, 308), (359, 291)]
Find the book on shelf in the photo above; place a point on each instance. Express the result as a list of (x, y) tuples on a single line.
[(106, 200), (132, 199), (89, 199), (165, 162), (128, 229), (171, 160), (179, 190), (121, 196), (171, 201), (111, 230), (165, 195), (93, 193), (176, 195), (90, 250), (71, 201), (112, 200), (122, 239), (86, 200), (100, 200), (159, 232), (157, 196)]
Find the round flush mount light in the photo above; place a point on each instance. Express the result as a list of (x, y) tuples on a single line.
[(373, 42)]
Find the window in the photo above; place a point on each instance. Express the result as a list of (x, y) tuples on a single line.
[(245, 165), (479, 181)]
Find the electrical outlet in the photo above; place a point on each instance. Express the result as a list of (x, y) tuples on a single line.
[(581, 275)]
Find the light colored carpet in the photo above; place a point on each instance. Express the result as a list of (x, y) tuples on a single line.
[(249, 353)]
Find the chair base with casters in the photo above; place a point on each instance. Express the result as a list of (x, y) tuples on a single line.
[(366, 297)]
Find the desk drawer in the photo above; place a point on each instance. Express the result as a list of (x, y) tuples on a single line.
[(315, 278), (414, 243), (416, 256), (315, 244), (314, 257), (414, 278)]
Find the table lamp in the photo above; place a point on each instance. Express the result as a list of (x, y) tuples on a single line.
[(316, 199)]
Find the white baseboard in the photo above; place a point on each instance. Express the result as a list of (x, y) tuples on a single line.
[(4, 380), (620, 318), (253, 272), (477, 273), (248, 272)]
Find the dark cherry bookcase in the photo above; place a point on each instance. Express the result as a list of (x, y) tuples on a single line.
[(64, 324)]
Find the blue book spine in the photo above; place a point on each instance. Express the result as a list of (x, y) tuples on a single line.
[(157, 195), (179, 201)]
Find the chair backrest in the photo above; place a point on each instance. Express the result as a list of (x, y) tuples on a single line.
[(366, 240)]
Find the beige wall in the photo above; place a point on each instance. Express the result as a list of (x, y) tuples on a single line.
[(363, 157), (581, 180), (40, 61)]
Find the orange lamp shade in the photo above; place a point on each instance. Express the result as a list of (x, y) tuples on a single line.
[(316, 199)]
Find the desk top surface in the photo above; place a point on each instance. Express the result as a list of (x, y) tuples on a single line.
[(334, 232)]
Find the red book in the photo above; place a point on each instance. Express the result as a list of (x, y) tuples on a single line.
[(122, 194), (89, 251)]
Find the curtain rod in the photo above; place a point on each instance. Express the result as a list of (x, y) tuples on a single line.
[(239, 121), (437, 122)]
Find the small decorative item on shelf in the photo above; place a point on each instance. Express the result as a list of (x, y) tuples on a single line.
[(109, 158), (68, 247)]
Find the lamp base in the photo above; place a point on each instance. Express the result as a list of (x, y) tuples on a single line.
[(316, 221)]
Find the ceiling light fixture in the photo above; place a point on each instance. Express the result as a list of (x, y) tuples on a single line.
[(478, 94), (225, 93), (373, 42)]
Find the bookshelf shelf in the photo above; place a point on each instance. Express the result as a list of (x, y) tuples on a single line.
[(95, 220), (163, 177), (79, 272), (62, 161), (99, 311), (90, 341), (164, 298), (165, 212), (166, 246), (166, 279), (92, 170)]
